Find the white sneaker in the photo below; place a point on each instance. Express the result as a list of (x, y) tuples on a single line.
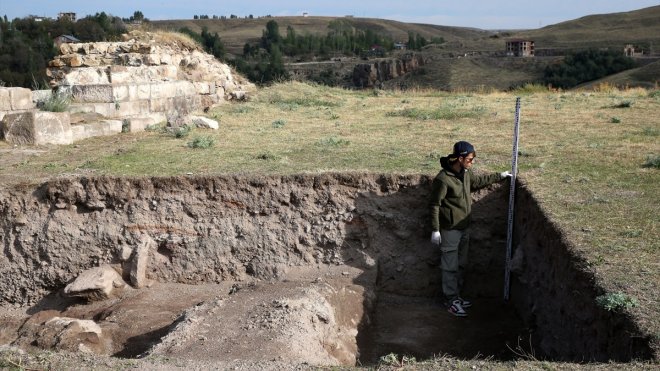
[(465, 303), (457, 309)]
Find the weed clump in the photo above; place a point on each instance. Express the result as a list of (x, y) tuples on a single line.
[(615, 301), (202, 142), (652, 161), (56, 102)]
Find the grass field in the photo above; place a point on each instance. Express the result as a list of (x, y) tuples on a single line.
[(592, 159)]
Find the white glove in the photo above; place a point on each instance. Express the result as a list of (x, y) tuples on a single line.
[(435, 238), (505, 174)]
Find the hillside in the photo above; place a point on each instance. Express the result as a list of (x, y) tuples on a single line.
[(446, 66), (640, 27), (647, 76), (236, 32)]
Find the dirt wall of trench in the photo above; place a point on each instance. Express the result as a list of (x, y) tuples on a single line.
[(213, 229), (555, 291)]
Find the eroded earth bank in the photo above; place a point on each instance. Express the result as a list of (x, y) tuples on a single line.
[(316, 269)]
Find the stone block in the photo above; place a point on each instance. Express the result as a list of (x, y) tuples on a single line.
[(86, 76), (132, 109), (140, 261), (120, 75), (182, 105), (158, 117), (163, 90), (203, 122), (120, 93), (20, 98), (96, 129), (159, 105), (210, 100), (166, 73), (137, 124), (103, 109), (95, 284), (185, 88), (92, 93), (5, 103), (139, 91), (152, 59), (37, 127), (202, 87)]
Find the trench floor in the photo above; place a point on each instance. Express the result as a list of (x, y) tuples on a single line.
[(422, 328)]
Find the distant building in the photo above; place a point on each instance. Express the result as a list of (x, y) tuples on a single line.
[(630, 51), (520, 48), (65, 39), (305, 14), (400, 46), (67, 15)]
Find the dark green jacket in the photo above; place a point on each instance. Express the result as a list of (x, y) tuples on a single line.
[(451, 203)]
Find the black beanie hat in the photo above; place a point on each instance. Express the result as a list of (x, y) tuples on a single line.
[(462, 149)]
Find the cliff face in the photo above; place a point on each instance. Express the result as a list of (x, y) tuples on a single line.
[(373, 74)]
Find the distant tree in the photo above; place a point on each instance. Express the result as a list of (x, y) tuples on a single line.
[(138, 16), (195, 16), (584, 66)]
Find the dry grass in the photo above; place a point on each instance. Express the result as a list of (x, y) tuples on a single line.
[(586, 170)]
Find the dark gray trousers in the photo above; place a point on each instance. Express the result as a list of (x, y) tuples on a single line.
[(454, 247)]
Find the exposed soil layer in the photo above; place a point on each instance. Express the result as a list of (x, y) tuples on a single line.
[(323, 269)]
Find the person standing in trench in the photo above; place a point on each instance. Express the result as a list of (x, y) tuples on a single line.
[(451, 205)]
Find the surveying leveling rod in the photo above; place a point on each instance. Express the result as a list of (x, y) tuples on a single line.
[(512, 190)]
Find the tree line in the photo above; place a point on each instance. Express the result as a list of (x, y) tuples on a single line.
[(263, 62), (584, 66)]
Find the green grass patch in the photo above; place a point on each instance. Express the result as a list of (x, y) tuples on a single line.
[(443, 113)]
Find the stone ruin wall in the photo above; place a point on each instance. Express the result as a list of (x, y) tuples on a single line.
[(128, 84)]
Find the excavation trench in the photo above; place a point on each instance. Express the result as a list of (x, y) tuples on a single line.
[(324, 269)]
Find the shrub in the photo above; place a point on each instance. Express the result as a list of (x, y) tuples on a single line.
[(202, 142), (615, 301), (615, 120), (182, 131), (652, 161), (57, 102), (278, 123)]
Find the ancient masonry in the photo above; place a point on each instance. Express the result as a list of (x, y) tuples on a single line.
[(127, 85)]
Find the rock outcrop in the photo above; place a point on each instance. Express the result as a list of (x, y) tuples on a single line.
[(367, 75)]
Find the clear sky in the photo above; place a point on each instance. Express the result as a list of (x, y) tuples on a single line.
[(484, 14)]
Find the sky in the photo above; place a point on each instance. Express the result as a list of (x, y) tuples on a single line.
[(483, 14)]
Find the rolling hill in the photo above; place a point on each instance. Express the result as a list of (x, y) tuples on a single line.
[(447, 66)]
